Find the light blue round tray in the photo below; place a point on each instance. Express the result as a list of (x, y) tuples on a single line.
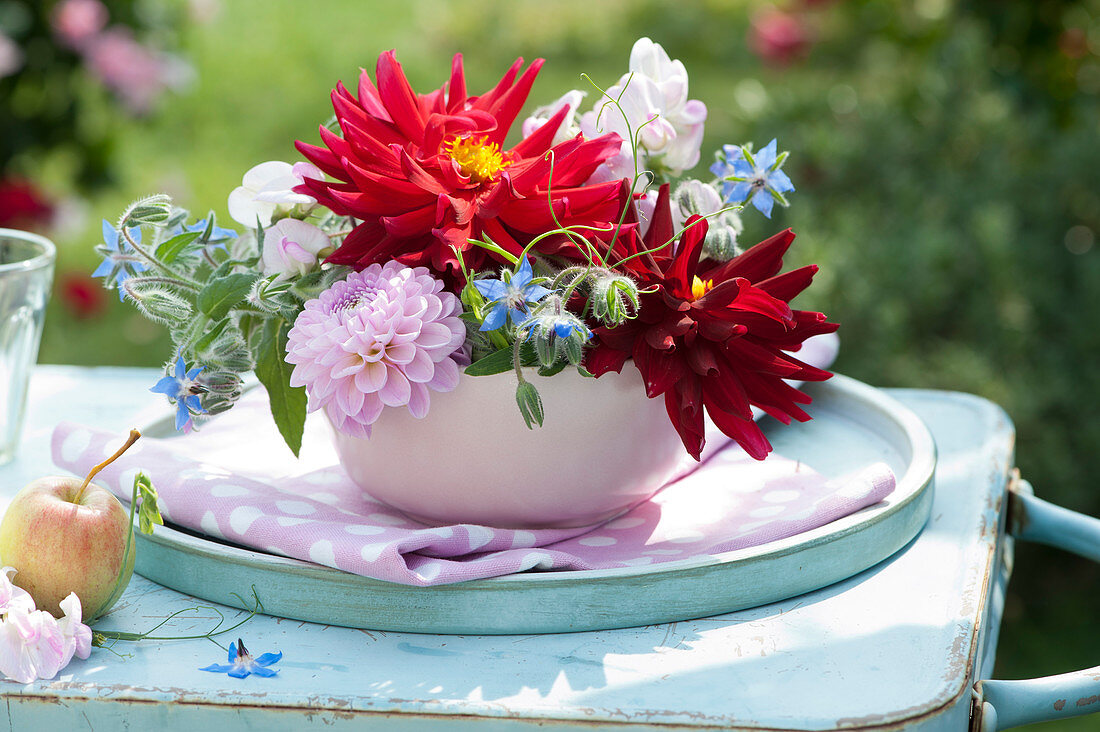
[(854, 425)]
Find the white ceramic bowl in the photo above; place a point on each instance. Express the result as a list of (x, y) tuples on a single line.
[(604, 447)]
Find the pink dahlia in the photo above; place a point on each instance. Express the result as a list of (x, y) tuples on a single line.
[(381, 338)]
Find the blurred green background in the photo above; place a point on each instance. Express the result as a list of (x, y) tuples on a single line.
[(945, 153)]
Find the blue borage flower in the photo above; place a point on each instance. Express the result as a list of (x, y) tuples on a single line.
[(508, 297), (218, 235), (241, 663), (556, 332), (178, 388), (120, 261), (757, 178)]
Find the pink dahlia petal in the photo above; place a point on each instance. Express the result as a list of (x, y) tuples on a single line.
[(445, 377), (419, 401), (434, 335), (420, 368), (401, 354), (385, 336), (397, 391)]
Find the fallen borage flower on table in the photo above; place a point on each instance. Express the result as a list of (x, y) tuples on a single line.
[(415, 242), (242, 663)]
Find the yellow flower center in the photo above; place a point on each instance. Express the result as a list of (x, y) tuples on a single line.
[(478, 158), (700, 287)]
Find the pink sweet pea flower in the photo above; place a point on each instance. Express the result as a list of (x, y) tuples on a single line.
[(34, 644), (76, 635)]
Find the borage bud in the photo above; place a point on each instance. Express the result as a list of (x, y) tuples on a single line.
[(156, 302), (155, 209), (221, 390), (556, 333), (272, 296), (696, 197), (530, 404), (614, 299), (227, 351)]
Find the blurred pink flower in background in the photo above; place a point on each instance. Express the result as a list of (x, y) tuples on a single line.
[(11, 57), (135, 73), (75, 22), (779, 37)]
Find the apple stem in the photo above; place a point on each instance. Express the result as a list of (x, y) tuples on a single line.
[(134, 437)]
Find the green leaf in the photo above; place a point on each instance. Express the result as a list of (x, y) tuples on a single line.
[(496, 362), (225, 293), (288, 403), (500, 361), (210, 336), (552, 370), (168, 251)]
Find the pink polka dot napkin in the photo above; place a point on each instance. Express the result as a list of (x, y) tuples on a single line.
[(730, 502), (235, 480)]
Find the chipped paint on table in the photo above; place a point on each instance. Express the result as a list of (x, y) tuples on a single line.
[(895, 647)]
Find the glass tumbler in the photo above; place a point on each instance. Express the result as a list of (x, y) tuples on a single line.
[(26, 273)]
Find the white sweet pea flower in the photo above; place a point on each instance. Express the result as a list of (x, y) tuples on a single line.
[(654, 91), (267, 189), (291, 248), (568, 128)]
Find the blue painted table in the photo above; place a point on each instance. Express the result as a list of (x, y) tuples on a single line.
[(899, 646)]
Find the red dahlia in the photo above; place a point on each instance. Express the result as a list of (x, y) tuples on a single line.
[(714, 336), (424, 172)]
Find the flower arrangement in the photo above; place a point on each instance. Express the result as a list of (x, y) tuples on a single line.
[(414, 245)]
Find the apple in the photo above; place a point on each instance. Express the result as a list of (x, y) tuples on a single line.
[(67, 535)]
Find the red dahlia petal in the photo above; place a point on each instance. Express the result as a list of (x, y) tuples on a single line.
[(789, 284), (412, 222), (539, 141), (369, 99), (660, 228), (684, 404), (322, 158), (508, 107), (419, 177), (491, 97), (376, 126), (660, 369), (744, 431), (728, 393), (681, 274), (759, 262), (722, 294), (399, 98), (601, 359), (456, 87)]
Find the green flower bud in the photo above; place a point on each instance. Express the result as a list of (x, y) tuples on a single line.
[(155, 209), (614, 299), (157, 302), (530, 404)]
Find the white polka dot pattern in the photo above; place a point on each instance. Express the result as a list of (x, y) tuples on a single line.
[(730, 502)]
